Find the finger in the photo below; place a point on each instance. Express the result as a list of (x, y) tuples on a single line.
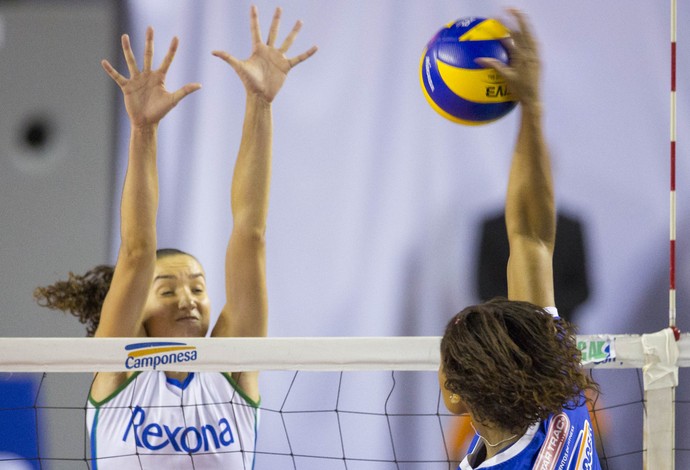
[(227, 58), (275, 24), (519, 17), (180, 94), (114, 74), (165, 65), (516, 37), (509, 45), (129, 55), (254, 25), (524, 35), (495, 64), (291, 37), (148, 49), (303, 56)]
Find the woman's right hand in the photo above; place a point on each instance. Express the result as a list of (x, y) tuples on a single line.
[(525, 66), (147, 100)]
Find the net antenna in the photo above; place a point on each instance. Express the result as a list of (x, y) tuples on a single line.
[(673, 221), (660, 386)]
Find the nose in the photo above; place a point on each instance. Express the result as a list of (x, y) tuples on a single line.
[(187, 301)]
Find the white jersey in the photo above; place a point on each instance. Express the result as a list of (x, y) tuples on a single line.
[(152, 422)]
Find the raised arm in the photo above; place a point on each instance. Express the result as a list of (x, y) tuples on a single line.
[(530, 207), (147, 102), (263, 74)]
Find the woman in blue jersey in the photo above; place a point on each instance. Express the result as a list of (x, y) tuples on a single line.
[(171, 420), (513, 364)]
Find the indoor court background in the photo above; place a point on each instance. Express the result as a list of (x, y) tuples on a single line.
[(376, 201)]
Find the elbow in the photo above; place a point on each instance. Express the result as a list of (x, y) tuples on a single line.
[(255, 236), (137, 254), (250, 236), (250, 228), (138, 243)]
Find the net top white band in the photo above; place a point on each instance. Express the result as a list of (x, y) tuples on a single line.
[(218, 354), (242, 354)]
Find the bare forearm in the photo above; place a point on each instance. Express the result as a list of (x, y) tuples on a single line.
[(140, 193), (121, 313), (530, 205), (246, 311), (252, 175)]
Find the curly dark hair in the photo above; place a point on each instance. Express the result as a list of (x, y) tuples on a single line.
[(513, 363), (80, 295), (83, 295)]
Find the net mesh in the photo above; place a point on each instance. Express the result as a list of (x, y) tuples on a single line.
[(320, 418)]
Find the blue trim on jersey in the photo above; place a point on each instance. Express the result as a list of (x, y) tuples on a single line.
[(94, 460), (181, 385), (256, 435)]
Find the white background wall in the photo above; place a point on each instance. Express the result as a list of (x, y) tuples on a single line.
[(376, 199)]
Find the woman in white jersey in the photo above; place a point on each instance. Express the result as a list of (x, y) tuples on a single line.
[(513, 364), (174, 420)]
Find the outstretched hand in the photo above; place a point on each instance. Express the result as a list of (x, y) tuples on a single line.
[(523, 72), (265, 71), (146, 99)]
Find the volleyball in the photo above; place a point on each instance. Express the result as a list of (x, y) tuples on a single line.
[(454, 85)]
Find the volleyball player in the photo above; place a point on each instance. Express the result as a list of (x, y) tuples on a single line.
[(155, 419), (513, 364)]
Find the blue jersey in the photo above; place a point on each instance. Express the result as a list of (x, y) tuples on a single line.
[(565, 441)]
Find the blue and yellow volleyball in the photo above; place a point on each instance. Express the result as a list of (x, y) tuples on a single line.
[(454, 85)]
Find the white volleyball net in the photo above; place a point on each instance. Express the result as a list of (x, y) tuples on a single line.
[(339, 403)]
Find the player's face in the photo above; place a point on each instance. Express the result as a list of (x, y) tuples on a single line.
[(178, 304)]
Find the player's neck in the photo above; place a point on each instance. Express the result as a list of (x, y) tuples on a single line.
[(495, 439), (178, 376)]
